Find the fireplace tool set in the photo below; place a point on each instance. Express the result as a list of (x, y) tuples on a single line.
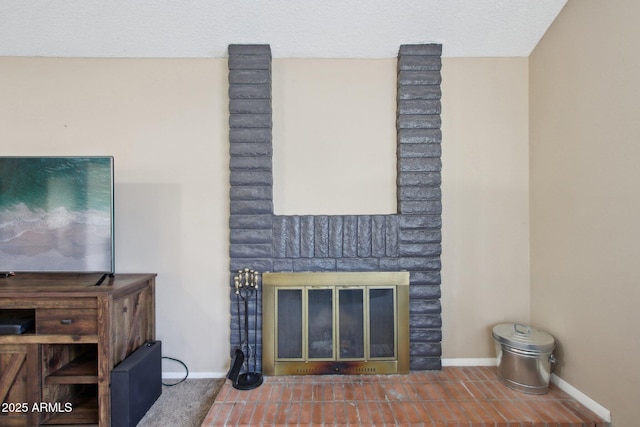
[(246, 284)]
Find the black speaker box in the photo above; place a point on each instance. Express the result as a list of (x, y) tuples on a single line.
[(136, 383)]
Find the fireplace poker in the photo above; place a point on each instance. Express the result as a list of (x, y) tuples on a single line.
[(246, 284)]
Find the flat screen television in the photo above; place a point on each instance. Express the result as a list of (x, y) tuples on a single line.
[(56, 214)]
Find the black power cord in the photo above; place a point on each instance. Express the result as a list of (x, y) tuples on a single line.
[(185, 368)]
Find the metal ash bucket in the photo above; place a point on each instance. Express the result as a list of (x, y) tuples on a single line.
[(525, 357)]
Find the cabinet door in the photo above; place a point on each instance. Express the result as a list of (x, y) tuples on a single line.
[(19, 388)]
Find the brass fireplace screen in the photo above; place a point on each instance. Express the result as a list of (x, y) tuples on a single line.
[(335, 323)]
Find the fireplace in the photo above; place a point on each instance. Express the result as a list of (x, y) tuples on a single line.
[(408, 240), (335, 323)]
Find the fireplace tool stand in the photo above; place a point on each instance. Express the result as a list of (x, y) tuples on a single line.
[(246, 283)]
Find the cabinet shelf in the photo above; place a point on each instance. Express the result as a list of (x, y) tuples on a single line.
[(85, 412), (32, 338), (82, 370)]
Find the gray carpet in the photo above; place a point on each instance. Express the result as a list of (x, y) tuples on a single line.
[(183, 405)]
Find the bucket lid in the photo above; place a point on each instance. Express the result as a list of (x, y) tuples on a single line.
[(523, 337)]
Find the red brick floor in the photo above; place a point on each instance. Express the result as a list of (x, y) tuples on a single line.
[(455, 396)]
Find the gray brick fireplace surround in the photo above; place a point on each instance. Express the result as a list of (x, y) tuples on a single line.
[(409, 240)]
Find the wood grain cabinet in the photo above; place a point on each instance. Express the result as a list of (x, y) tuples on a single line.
[(58, 371)]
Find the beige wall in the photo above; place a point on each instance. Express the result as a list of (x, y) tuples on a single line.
[(585, 205), (485, 248), (334, 119), (166, 124)]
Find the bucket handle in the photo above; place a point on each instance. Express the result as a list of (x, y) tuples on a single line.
[(527, 330)]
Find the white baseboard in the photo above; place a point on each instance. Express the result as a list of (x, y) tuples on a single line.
[(195, 375), (487, 361), (588, 402)]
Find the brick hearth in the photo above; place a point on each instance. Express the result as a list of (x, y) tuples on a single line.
[(467, 396)]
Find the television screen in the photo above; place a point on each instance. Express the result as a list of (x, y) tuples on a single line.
[(56, 214)]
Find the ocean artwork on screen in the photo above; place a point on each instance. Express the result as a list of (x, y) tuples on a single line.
[(56, 214)]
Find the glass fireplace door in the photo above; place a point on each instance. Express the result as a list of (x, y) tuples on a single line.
[(289, 335), (382, 323), (351, 333), (345, 323), (319, 323)]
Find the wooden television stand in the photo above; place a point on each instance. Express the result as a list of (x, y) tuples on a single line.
[(58, 371)]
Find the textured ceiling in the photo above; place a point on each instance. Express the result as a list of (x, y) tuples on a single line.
[(293, 28)]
